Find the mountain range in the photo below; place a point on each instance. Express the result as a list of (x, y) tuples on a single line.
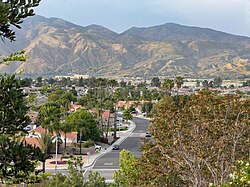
[(57, 47)]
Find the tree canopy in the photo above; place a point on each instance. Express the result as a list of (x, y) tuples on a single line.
[(13, 108), (13, 13), (49, 116), (17, 160), (84, 122), (126, 115), (196, 141)]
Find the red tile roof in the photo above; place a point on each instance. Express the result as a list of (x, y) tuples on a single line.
[(105, 114), (33, 142), (71, 136), (40, 130)]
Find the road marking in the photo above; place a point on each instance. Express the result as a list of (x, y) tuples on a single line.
[(108, 164), (106, 167), (137, 135)]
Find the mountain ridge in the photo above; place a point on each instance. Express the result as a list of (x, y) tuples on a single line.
[(58, 47)]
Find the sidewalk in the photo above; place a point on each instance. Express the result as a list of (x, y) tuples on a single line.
[(122, 134), (89, 160)]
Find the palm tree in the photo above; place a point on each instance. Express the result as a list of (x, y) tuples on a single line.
[(65, 128), (116, 96), (45, 141), (49, 116)]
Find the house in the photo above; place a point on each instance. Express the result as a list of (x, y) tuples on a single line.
[(33, 141), (108, 116), (71, 137), (126, 104), (74, 107), (137, 104)]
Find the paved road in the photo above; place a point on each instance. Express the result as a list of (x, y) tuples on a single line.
[(108, 163), (141, 125)]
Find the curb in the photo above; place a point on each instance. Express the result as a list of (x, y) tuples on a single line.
[(109, 149)]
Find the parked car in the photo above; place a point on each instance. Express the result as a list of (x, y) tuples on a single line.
[(98, 147), (115, 147), (133, 112), (28, 128), (148, 135), (118, 125), (49, 156)]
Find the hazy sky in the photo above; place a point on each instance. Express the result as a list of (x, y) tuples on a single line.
[(232, 16)]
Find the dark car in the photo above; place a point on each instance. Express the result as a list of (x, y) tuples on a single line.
[(49, 156), (115, 147), (148, 135)]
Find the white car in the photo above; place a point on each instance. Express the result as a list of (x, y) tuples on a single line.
[(118, 125), (28, 128)]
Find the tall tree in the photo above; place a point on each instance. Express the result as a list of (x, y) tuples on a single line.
[(116, 97), (126, 115), (65, 128), (155, 82), (16, 165), (125, 176), (13, 108), (85, 124), (39, 81), (45, 140), (205, 83), (196, 140), (217, 82), (202, 136), (17, 160), (49, 116)]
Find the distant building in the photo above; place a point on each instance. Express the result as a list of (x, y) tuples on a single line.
[(75, 76), (78, 76)]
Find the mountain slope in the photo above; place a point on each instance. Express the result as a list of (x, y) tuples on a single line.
[(176, 32), (58, 47)]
